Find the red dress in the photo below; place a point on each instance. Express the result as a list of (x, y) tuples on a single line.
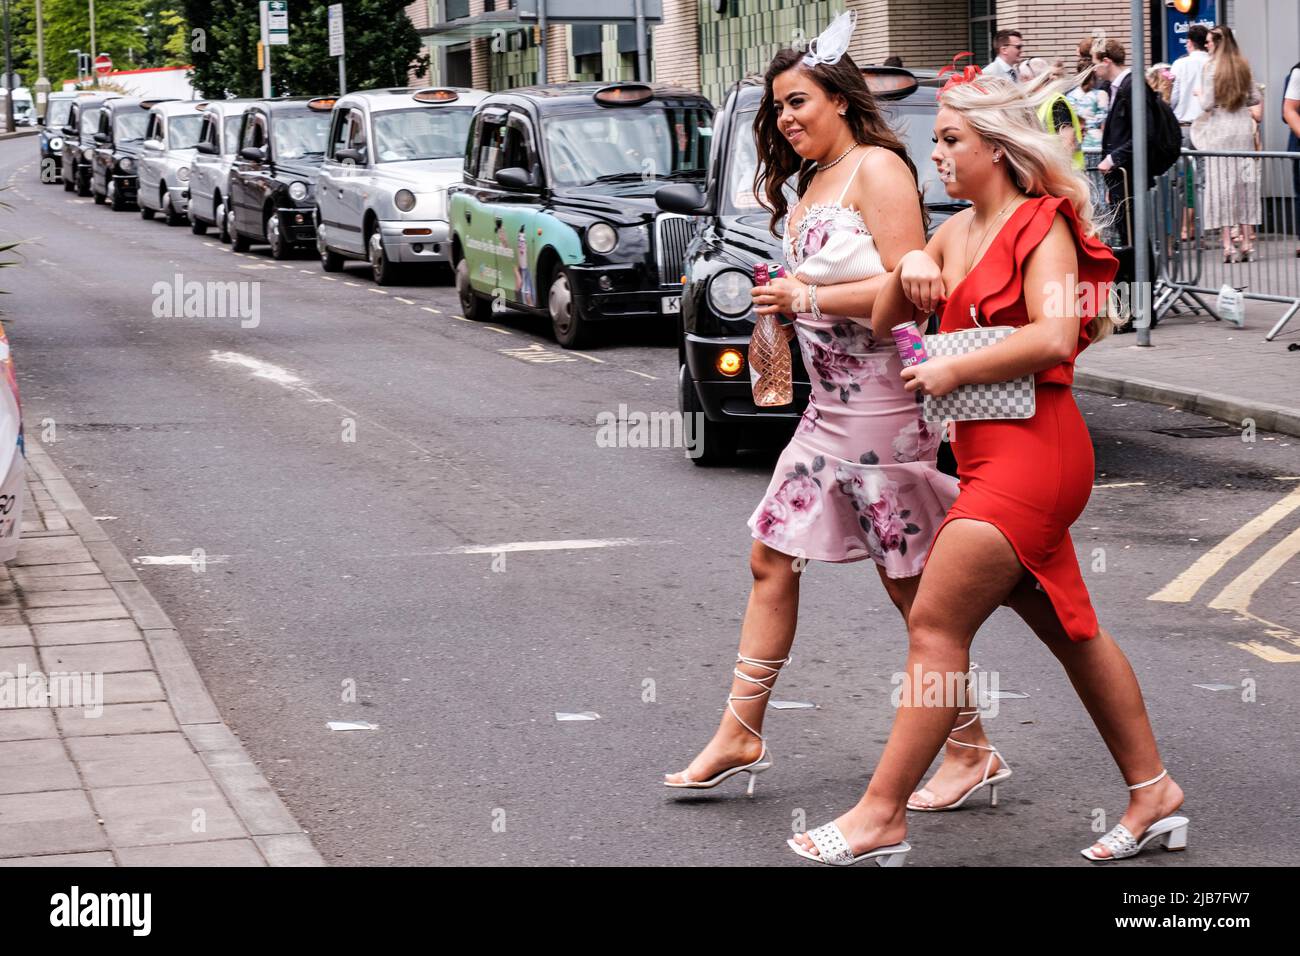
[(1031, 478)]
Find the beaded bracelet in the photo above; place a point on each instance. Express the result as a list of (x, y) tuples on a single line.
[(812, 298)]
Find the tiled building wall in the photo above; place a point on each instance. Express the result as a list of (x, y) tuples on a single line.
[(420, 16), (733, 46), (925, 33)]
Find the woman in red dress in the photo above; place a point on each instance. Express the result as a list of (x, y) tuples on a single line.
[(1025, 254)]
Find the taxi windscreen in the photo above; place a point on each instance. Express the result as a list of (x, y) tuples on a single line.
[(739, 198), (231, 137), (129, 125), (183, 131), (300, 136), (652, 142), (421, 133), (57, 114)]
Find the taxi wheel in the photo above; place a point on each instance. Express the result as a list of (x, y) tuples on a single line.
[(571, 329), (470, 304), (198, 226), (275, 239), (117, 203), (173, 217), (100, 200), (237, 242), (385, 271), (715, 443), (68, 186), (145, 212)]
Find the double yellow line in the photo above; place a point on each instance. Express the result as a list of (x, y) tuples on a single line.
[(1237, 594)]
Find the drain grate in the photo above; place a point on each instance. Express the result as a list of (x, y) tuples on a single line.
[(1200, 431)]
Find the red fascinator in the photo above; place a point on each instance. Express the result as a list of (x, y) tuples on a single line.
[(966, 74)]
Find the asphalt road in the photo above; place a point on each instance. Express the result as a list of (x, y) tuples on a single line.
[(375, 563)]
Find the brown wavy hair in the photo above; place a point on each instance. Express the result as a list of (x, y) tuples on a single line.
[(777, 159), (1232, 77)]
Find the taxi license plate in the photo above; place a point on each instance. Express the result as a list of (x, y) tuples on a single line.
[(672, 304)]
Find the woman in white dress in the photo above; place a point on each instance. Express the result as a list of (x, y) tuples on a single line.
[(1232, 108)]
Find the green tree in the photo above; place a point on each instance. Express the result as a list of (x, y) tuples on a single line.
[(382, 46)]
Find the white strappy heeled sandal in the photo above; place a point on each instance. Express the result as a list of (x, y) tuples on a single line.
[(764, 761), (834, 850), (985, 781), (1122, 844)]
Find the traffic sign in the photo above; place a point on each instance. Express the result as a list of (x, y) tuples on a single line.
[(103, 64), (277, 23), (336, 29)]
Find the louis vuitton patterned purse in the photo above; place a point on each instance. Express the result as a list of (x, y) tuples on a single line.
[(994, 400)]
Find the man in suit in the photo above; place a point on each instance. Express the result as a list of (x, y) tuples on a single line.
[(1117, 154), (1008, 44)]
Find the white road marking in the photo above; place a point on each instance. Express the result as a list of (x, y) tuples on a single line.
[(407, 301), (427, 309), (259, 368), (329, 279), (642, 374), (377, 291), (1182, 588), (589, 358), (1121, 484), (353, 284), (182, 559), (292, 382), (574, 544), (495, 329)]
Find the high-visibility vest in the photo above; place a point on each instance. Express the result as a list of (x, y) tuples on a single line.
[(1045, 117)]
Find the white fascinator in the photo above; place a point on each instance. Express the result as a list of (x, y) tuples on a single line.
[(831, 43)]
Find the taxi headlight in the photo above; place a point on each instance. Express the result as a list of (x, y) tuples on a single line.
[(729, 292), (298, 191), (87, 154), (602, 238), (126, 164), (56, 144), (183, 174), (404, 200)]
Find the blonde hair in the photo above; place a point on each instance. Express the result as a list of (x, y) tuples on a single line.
[(1005, 115), (1232, 77)]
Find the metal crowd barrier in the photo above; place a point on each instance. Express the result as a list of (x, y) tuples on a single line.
[(1253, 194)]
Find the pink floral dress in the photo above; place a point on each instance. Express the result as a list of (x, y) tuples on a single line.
[(858, 479)]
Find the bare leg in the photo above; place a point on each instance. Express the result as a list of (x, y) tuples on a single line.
[(962, 767), (970, 559), (766, 634), (1106, 684)]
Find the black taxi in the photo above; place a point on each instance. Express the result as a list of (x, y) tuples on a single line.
[(556, 214), (79, 140), (119, 140), (731, 235), (272, 178)]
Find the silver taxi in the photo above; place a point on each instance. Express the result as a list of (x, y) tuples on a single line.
[(166, 154), (381, 194), (218, 143)]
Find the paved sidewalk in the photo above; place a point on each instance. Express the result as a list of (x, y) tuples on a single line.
[(115, 755), (1204, 366)]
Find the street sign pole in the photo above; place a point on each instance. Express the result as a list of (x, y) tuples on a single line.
[(266, 52), (336, 44), (93, 49), (9, 77), (1138, 188)]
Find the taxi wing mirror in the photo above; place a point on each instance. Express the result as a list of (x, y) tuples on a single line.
[(683, 198), (515, 177), (356, 157), (155, 144), (102, 139), (209, 148), (253, 154)]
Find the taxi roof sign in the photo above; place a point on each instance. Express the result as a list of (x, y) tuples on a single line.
[(624, 94), (435, 96), (322, 104)]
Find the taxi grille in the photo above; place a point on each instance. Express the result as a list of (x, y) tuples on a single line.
[(672, 232)]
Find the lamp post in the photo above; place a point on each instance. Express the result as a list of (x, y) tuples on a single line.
[(9, 76)]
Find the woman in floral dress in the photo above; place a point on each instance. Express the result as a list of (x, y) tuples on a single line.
[(859, 479)]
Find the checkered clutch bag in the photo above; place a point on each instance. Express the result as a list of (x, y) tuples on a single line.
[(1013, 399)]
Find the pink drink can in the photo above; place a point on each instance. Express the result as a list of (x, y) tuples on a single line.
[(910, 343), (765, 272)]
